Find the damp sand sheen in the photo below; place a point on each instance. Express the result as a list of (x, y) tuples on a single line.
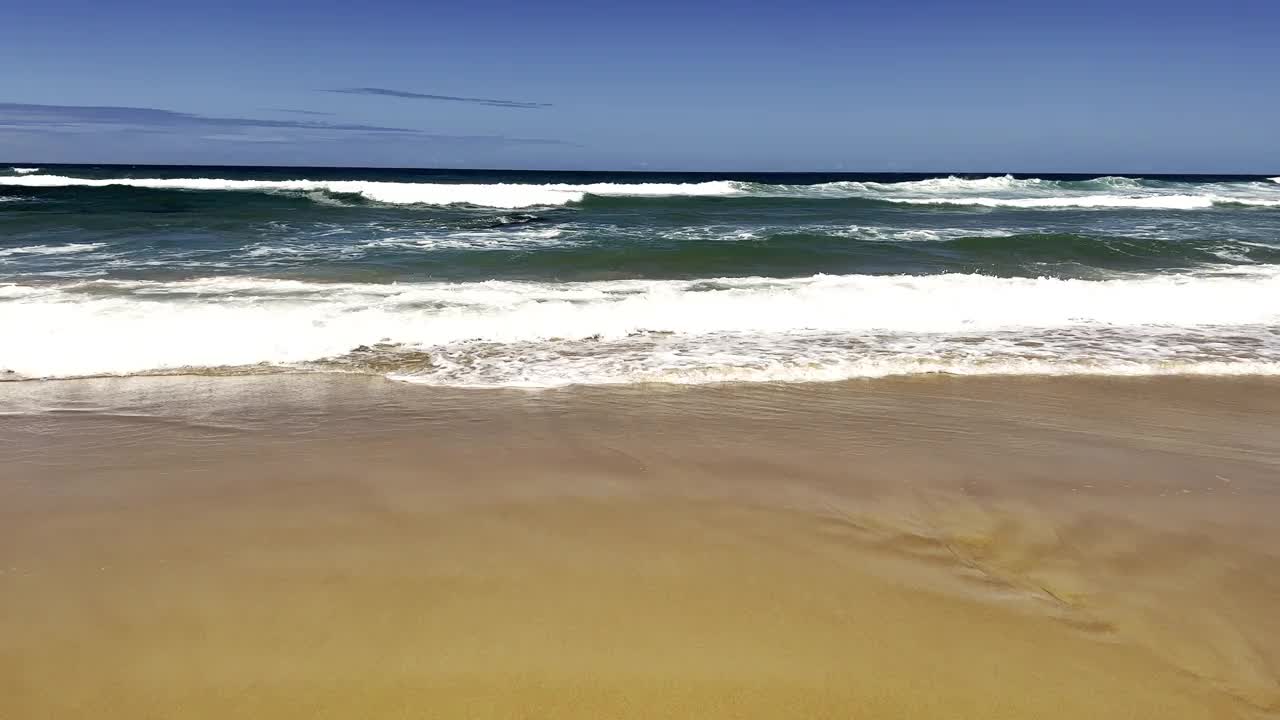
[(323, 546)]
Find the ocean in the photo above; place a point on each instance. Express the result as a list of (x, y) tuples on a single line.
[(544, 279)]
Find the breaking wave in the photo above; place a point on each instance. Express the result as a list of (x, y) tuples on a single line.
[(68, 249), (1001, 191), (496, 195), (712, 330)]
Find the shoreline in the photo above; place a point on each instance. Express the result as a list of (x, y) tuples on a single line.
[(340, 546), (1212, 371)]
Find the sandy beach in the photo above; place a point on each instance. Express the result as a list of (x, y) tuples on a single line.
[(348, 547)]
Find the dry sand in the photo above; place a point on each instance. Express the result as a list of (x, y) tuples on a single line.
[(336, 547)]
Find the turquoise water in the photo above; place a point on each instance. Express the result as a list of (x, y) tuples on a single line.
[(537, 279)]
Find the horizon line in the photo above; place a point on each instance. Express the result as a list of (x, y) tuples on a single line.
[(638, 171)]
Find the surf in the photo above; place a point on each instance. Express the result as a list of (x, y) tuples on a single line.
[(495, 195), (113, 327), (1105, 192)]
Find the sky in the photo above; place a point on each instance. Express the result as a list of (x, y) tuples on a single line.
[(804, 85)]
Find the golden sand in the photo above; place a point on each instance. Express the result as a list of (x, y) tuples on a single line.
[(349, 548)]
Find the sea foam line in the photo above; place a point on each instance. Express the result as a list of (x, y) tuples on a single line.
[(510, 371)]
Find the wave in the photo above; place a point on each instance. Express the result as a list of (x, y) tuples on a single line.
[(955, 184), (385, 251), (568, 253), (526, 333), (1100, 251), (68, 249), (496, 195), (1006, 191), (24, 170), (1148, 202)]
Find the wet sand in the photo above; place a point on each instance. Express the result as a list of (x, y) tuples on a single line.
[(344, 547)]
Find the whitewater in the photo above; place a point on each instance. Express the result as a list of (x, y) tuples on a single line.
[(116, 327), (1000, 191)]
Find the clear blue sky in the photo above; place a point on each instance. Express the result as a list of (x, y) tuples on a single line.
[(1133, 85)]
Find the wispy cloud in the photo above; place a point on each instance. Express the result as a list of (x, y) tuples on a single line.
[(491, 102), (75, 115), (94, 118), (242, 138), (298, 112)]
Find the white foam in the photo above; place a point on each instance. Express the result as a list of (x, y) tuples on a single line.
[(483, 239), (25, 170), (1152, 202), (68, 249), (538, 373), (892, 234), (950, 184), (498, 195), (807, 327)]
